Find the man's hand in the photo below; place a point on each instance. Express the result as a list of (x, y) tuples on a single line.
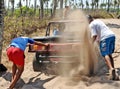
[(28, 44), (46, 44), (39, 43), (94, 38)]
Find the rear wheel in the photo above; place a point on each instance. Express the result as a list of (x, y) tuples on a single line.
[(40, 65), (36, 62), (36, 65)]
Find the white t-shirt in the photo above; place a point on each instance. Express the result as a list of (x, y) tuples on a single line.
[(100, 29)]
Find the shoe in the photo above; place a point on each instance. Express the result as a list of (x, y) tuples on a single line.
[(116, 75), (113, 74)]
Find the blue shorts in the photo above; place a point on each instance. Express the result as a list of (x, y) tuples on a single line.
[(107, 46)]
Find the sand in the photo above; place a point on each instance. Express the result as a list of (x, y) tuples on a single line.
[(38, 80)]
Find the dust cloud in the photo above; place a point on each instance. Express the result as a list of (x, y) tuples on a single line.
[(82, 58)]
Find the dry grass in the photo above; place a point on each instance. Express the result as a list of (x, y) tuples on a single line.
[(31, 28)]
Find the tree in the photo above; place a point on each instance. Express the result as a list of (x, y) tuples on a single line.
[(8, 5), (65, 2), (29, 2), (1, 27), (96, 4), (87, 4), (92, 4), (54, 7), (20, 6), (102, 5), (46, 2), (118, 6), (26, 3), (41, 9), (82, 4), (35, 6), (2, 67), (21, 13), (61, 4), (12, 2), (108, 8)]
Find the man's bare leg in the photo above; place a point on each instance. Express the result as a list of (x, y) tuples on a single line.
[(16, 76), (112, 61), (108, 62), (114, 72), (14, 69)]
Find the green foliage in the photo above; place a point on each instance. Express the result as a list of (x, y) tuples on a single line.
[(17, 12), (25, 11)]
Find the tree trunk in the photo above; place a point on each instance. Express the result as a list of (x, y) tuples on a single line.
[(8, 6), (118, 7), (21, 12), (61, 4), (93, 4), (82, 3), (35, 5), (108, 8), (41, 11), (66, 2), (26, 3), (12, 2), (1, 26), (54, 8), (29, 2)]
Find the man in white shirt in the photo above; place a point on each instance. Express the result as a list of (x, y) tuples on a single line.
[(106, 39)]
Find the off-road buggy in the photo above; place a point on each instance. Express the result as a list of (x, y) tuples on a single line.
[(61, 47)]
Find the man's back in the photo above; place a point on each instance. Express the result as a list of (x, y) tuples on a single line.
[(21, 42), (100, 29)]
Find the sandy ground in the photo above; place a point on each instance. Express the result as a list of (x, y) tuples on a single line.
[(38, 80)]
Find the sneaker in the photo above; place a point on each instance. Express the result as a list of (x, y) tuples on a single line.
[(113, 74), (116, 75)]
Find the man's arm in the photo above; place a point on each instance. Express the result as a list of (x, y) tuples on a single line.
[(40, 43), (94, 38)]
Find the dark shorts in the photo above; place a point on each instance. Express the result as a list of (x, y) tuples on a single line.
[(107, 46), (16, 55)]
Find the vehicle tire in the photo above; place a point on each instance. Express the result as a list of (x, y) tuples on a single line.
[(36, 65)]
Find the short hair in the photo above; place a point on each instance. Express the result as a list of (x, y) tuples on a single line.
[(89, 17), (66, 6)]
